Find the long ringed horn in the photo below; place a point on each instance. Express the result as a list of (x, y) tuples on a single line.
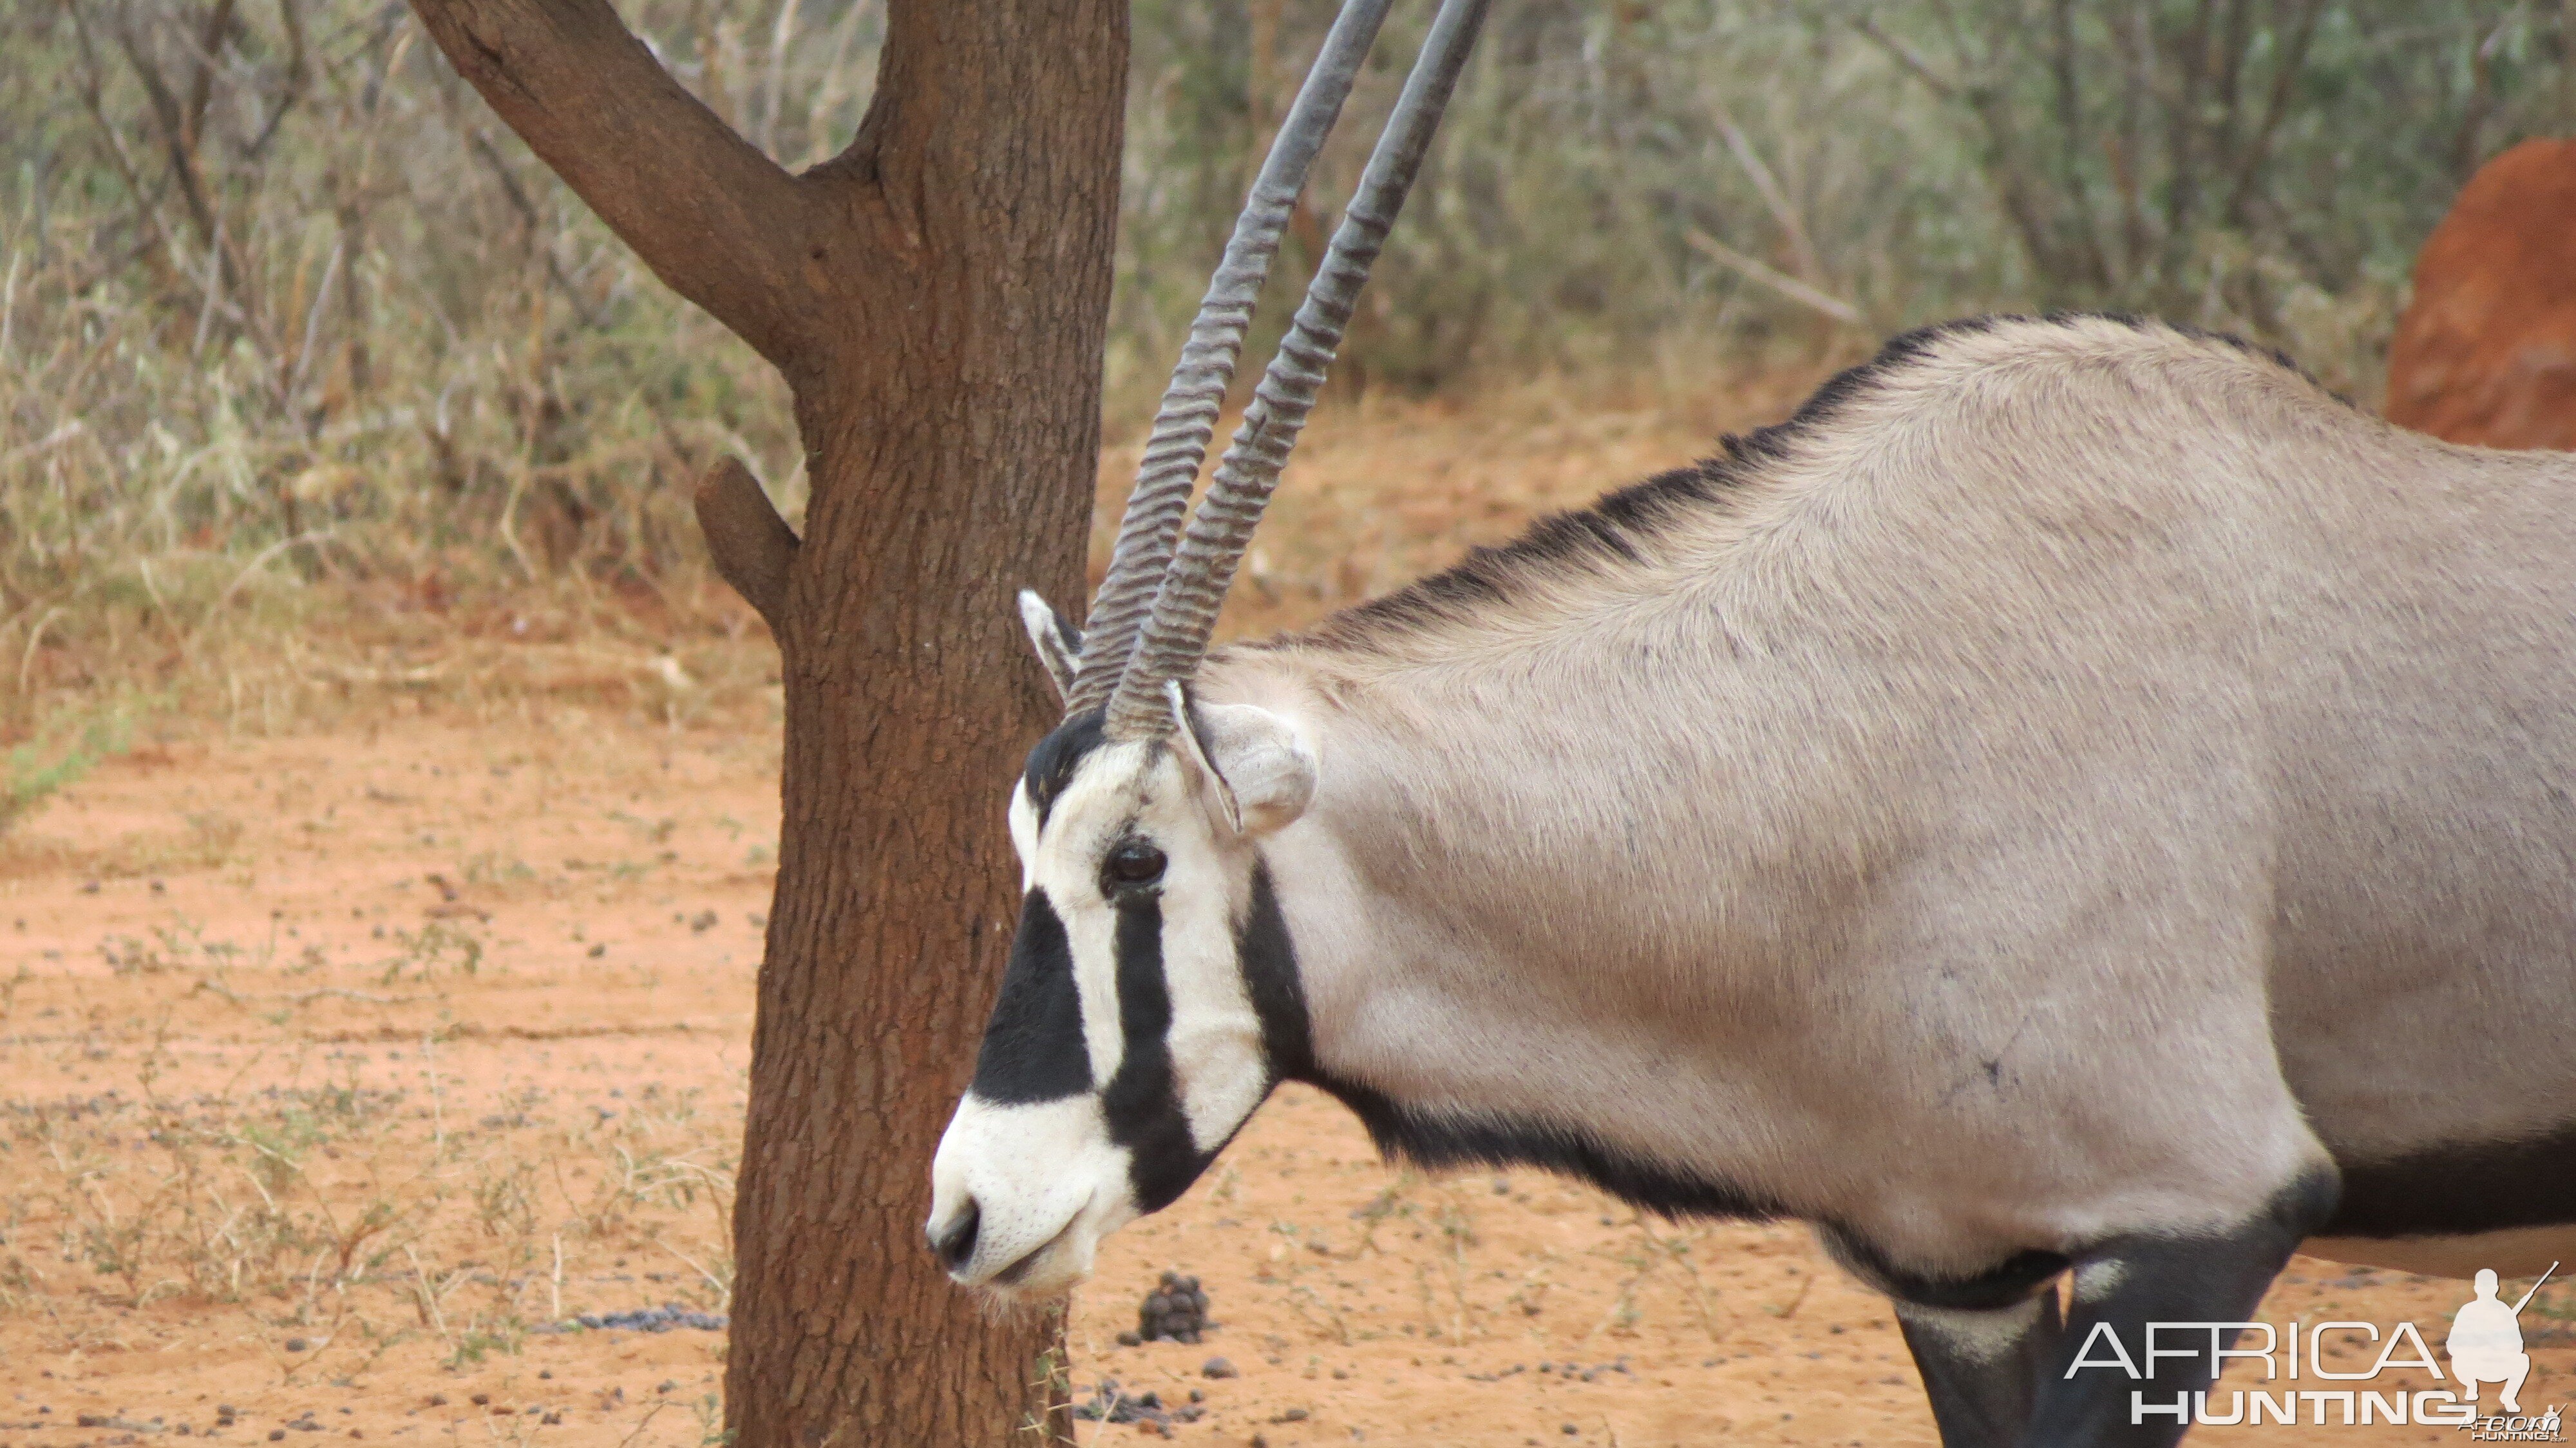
[(1176, 633), (1187, 420)]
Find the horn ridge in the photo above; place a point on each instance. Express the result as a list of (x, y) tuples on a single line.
[(1184, 611), (1186, 421)]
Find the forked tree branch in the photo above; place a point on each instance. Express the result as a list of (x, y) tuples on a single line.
[(714, 218)]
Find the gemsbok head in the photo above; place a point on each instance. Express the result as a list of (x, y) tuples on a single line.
[(1129, 1042)]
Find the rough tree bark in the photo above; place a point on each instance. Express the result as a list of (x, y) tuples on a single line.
[(936, 297)]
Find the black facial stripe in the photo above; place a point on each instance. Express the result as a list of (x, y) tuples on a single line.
[(1269, 960), (1143, 1100), (1033, 1048), (2461, 1187), (1052, 764)]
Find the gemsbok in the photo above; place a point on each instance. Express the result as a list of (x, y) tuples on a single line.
[(2075, 814)]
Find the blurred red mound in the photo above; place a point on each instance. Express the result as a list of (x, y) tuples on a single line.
[(2486, 352)]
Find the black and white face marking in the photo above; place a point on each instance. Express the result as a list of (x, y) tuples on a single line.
[(1128, 1043)]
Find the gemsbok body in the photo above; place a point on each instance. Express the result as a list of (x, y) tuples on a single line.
[(2076, 803)]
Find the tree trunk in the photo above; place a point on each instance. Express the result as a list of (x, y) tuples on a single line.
[(936, 297)]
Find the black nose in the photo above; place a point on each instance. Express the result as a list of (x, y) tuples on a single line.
[(956, 1247)]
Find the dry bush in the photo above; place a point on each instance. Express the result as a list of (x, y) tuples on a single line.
[(313, 385)]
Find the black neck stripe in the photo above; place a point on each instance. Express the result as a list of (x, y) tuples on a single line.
[(1269, 963)]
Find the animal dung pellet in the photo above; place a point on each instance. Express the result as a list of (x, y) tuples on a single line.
[(1175, 1311)]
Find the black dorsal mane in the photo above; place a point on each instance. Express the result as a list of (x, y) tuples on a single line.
[(1617, 528)]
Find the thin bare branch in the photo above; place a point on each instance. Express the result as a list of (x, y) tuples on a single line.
[(1774, 196), (714, 218), (1904, 55), (1772, 277)]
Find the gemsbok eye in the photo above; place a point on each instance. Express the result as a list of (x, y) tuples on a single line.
[(1134, 862)]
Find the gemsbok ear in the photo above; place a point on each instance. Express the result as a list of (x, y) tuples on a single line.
[(1058, 644), (1259, 768)]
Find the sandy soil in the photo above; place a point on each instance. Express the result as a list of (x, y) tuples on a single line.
[(336, 1069)]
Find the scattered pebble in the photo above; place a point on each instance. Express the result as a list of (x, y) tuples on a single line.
[(296, 1344), (664, 1318), (1109, 1404), (1217, 1367)]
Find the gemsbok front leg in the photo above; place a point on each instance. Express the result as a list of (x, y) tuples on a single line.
[(1981, 1367), (2112, 1384)]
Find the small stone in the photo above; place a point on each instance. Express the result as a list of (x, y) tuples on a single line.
[(1569, 1430), (480, 1399), (1129, 1339), (277, 1435), (295, 1344), (1217, 1367), (546, 1373)]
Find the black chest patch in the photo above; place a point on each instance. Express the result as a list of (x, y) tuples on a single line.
[(1033, 1048)]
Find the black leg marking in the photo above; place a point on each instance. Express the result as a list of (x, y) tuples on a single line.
[(1981, 1369), (2085, 1399)]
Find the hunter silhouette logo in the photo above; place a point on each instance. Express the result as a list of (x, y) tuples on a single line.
[(2404, 1383), (2486, 1341)]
